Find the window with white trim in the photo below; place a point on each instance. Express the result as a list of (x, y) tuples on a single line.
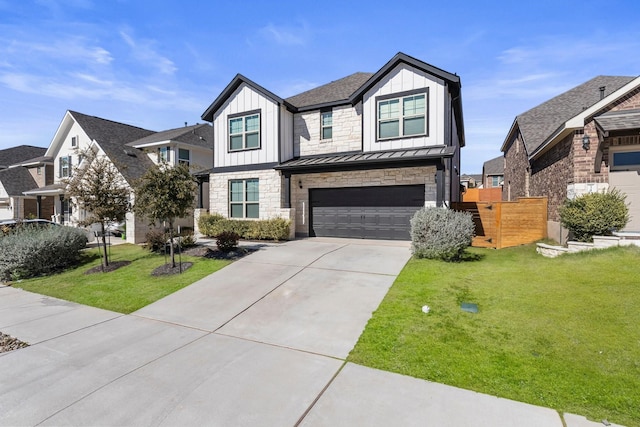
[(244, 132), (326, 125), (74, 141), (243, 198), (624, 158), (403, 116), (184, 156), (64, 167), (163, 154)]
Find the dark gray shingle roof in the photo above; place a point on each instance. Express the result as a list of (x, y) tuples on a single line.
[(199, 135), (494, 166), (102, 130), (539, 123), (336, 91), (619, 120), (16, 180), (15, 155), (131, 162)]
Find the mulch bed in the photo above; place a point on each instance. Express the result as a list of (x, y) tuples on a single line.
[(8, 343), (111, 267), (167, 269), (214, 253)]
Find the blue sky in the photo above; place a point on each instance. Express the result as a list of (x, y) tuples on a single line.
[(159, 64)]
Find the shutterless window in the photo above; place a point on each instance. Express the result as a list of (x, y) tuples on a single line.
[(625, 159), (403, 116), (183, 156), (326, 125), (243, 198), (495, 181), (65, 166), (244, 132), (163, 154)]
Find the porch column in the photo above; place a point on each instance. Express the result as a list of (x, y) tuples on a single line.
[(62, 209), (39, 206)]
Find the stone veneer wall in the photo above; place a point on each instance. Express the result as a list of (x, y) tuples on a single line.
[(270, 197), (365, 178), (347, 132)]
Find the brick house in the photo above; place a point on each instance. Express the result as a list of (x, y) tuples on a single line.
[(493, 173), (22, 168), (584, 140), (353, 158)]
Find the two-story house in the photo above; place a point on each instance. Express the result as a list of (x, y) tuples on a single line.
[(132, 150), (22, 168), (353, 158)]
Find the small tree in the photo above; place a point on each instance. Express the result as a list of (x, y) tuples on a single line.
[(594, 214), (98, 187), (165, 193)]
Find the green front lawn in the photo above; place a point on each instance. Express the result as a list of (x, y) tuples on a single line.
[(124, 290), (562, 333)]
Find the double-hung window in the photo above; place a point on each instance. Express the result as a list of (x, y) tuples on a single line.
[(244, 132), (243, 198), (65, 167), (326, 125), (163, 155), (183, 156), (402, 116)]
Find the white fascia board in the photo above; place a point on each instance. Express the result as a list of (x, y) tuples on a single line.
[(153, 144), (577, 122), (65, 125)]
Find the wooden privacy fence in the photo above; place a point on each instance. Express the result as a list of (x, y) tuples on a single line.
[(493, 194), (504, 224)]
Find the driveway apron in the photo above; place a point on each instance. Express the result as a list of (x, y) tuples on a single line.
[(261, 342)]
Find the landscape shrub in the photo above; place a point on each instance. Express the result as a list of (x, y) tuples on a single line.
[(594, 214), (31, 251), (207, 223), (227, 240), (187, 239), (440, 233), (266, 229), (156, 240)]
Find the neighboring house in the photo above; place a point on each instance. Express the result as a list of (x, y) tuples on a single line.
[(584, 140), (471, 181), (493, 173), (19, 171), (353, 158), (118, 142)]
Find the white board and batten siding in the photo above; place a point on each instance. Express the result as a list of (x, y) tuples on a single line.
[(404, 78), (246, 99)]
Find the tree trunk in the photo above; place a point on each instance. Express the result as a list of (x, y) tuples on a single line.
[(171, 251), (104, 244)]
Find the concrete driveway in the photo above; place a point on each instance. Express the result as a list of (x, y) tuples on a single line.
[(261, 342)]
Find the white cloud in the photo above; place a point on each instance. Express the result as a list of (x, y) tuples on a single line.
[(145, 53), (286, 36)]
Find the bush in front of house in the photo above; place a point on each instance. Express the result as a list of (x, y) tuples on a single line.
[(440, 233), (227, 240), (156, 240), (594, 214), (32, 251), (266, 229)]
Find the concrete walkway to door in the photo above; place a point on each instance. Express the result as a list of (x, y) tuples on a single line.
[(260, 342)]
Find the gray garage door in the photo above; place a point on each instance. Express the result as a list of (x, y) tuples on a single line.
[(364, 212)]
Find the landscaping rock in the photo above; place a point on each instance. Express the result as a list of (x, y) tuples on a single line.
[(8, 343)]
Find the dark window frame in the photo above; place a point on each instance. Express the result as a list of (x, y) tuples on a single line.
[(244, 116), (400, 96)]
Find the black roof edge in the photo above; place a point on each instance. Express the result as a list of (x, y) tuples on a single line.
[(323, 105), (232, 86), (398, 58)]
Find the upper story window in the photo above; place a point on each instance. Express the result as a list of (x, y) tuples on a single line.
[(65, 166), (326, 125), (163, 154), (74, 141), (184, 156), (244, 131), (39, 170), (495, 181), (624, 158), (402, 116)]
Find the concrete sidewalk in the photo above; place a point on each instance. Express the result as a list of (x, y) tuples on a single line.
[(260, 342)]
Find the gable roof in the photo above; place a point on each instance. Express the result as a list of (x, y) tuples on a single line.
[(130, 162), (15, 155), (198, 135), (103, 130), (493, 166), (235, 83), (17, 180), (334, 93), (538, 124)]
